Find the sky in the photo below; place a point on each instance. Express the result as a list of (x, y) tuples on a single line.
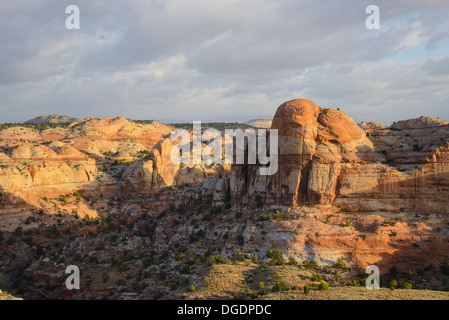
[(223, 60)]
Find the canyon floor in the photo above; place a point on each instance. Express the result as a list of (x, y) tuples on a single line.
[(217, 253)]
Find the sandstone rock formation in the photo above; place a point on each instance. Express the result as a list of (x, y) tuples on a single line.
[(92, 157), (158, 170), (325, 158)]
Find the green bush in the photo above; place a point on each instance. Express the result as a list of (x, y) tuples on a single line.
[(105, 276), (306, 290), (261, 288), (316, 277), (281, 286), (217, 259), (340, 263), (255, 259), (393, 284), (310, 265), (276, 256), (323, 286), (192, 288), (405, 285), (352, 283), (347, 223)]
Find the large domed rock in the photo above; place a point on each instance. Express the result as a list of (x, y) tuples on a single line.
[(313, 141)]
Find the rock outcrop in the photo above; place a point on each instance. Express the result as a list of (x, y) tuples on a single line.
[(325, 158), (158, 170)]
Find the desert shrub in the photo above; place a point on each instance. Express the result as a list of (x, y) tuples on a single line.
[(352, 283), (340, 263), (218, 259), (105, 276), (316, 277), (404, 284), (323, 286), (261, 288), (255, 259), (281, 286), (347, 223), (310, 265), (393, 284), (337, 276), (89, 279), (192, 288), (276, 256), (306, 290), (191, 261), (174, 285)]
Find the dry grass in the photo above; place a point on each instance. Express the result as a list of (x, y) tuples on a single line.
[(227, 281), (7, 296), (360, 293)]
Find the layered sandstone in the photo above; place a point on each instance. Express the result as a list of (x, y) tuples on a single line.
[(325, 158), (93, 157)]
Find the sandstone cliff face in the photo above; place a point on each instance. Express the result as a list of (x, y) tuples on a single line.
[(88, 156), (327, 159), (159, 171), (93, 157)]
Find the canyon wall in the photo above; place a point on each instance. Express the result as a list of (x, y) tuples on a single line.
[(325, 158)]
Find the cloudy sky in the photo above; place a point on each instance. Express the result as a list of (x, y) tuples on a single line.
[(230, 60)]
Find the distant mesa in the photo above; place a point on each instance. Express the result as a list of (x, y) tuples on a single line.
[(52, 118), (419, 123), (372, 126), (260, 123)]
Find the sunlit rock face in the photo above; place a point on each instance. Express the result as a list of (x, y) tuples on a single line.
[(325, 158)]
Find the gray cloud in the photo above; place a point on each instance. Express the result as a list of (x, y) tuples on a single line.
[(182, 60)]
